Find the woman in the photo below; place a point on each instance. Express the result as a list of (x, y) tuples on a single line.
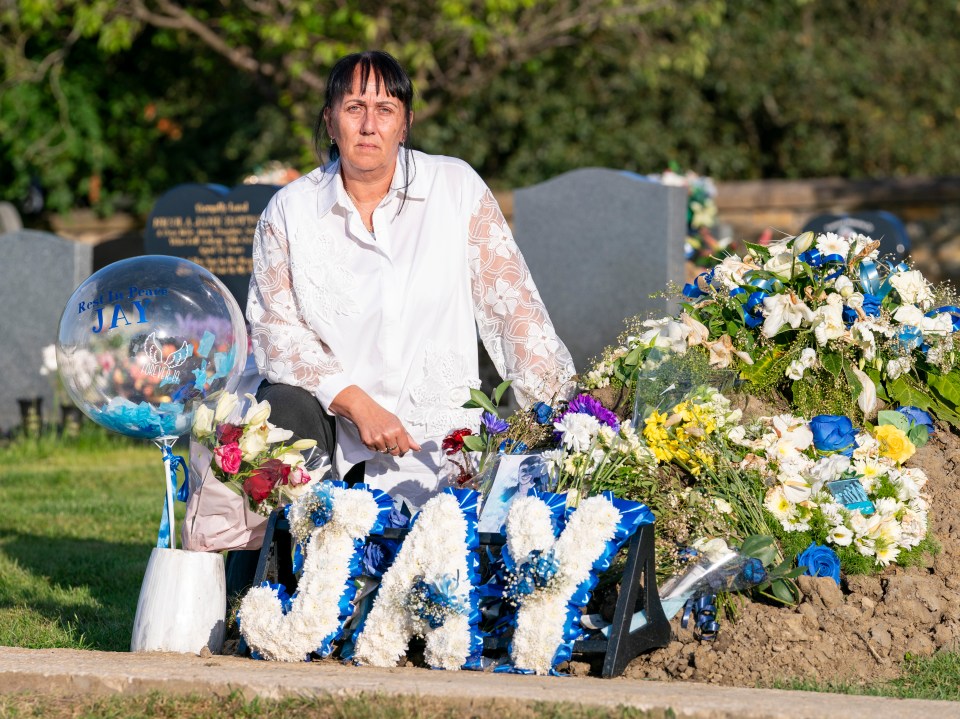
[(371, 277)]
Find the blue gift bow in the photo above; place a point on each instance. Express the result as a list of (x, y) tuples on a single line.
[(692, 289), (384, 505), (870, 276), (703, 611), (172, 462), (632, 516), (910, 337)]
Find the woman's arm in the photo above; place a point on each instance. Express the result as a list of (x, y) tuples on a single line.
[(513, 323)]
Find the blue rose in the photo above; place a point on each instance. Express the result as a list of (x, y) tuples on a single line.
[(378, 555), (820, 561), (833, 433), (543, 413), (871, 305), (917, 416)]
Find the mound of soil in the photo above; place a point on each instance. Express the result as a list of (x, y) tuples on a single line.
[(857, 633)]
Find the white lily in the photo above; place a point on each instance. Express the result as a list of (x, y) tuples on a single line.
[(827, 320), (867, 399), (783, 309), (257, 412), (225, 406)]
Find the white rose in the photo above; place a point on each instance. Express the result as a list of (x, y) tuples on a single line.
[(202, 422), (909, 315), (459, 396), (912, 287), (781, 264)]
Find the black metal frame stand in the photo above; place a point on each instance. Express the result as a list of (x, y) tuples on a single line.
[(638, 591)]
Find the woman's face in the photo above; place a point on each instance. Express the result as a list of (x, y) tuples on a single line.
[(368, 127)]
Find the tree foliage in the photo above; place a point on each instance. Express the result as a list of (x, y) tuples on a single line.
[(110, 102)]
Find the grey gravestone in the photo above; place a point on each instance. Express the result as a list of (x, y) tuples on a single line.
[(599, 243), (9, 218), (212, 226), (38, 273)]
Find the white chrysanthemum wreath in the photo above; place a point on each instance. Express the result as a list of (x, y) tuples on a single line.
[(428, 591), (551, 569), (314, 615)]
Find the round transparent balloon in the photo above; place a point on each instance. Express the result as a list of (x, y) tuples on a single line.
[(143, 341)]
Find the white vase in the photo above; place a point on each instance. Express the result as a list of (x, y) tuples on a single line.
[(183, 605)]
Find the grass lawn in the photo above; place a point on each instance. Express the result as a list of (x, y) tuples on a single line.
[(370, 706), (79, 520)]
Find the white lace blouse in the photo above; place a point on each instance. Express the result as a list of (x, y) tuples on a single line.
[(330, 305)]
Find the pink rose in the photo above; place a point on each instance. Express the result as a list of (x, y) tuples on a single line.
[(297, 477), (227, 457)]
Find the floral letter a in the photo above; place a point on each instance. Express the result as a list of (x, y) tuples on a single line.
[(429, 590)]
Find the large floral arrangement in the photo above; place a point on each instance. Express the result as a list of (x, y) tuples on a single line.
[(831, 483), (810, 318), (251, 456)]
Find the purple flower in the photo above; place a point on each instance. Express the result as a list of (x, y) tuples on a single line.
[(585, 404), (493, 424)]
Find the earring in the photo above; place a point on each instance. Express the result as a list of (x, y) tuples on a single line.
[(333, 142)]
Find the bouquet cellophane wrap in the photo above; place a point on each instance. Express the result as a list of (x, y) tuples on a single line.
[(217, 518)]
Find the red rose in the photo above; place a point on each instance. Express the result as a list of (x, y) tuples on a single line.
[(264, 478), (228, 457), (227, 433), (453, 442)]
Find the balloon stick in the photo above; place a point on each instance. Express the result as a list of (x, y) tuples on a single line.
[(171, 482)]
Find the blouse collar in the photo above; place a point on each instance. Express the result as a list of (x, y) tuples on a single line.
[(332, 191)]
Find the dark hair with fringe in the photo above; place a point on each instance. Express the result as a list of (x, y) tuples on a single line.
[(387, 72)]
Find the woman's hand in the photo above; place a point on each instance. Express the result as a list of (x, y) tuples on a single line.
[(380, 430)]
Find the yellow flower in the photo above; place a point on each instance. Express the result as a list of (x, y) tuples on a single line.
[(894, 443)]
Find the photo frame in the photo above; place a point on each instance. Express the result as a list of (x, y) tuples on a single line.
[(517, 475)]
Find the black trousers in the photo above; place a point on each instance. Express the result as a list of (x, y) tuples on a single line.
[(295, 409)]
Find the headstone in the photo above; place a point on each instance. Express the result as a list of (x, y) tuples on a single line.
[(9, 218), (212, 226), (599, 242), (38, 273), (883, 226)]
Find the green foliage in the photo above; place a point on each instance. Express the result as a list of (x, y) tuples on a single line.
[(521, 89)]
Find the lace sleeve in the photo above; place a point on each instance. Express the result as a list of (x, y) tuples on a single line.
[(286, 349), (513, 322)]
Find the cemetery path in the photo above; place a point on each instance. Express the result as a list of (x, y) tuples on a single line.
[(70, 672)]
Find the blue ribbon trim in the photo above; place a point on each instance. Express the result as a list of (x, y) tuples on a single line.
[(172, 463), (948, 309), (469, 500)]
